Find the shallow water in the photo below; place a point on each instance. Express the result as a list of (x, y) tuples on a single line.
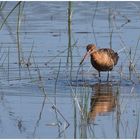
[(50, 95)]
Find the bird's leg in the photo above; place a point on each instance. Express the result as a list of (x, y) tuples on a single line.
[(108, 76), (99, 76)]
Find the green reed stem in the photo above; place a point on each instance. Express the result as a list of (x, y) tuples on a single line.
[(18, 40), (136, 49), (110, 28), (57, 75), (8, 62), (20, 11), (75, 120), (2, 5), (137, 126), (130, 64), (118, 113), (69, 58), (56, 113), (4, 21), (39, 116), (93, 22), (30, 55)]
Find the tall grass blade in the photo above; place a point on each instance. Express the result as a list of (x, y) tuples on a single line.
[(20, 10), (4, 21)]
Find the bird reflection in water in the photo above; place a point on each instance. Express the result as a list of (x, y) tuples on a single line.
[(102, 102)]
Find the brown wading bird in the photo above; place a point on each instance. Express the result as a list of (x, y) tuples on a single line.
[(101, 59)]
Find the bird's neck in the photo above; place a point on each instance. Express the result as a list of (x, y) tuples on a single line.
[(92, 52)]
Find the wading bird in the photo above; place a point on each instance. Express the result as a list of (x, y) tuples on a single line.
[(101, 59)]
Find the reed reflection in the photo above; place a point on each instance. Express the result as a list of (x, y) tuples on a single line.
[(102, 102)]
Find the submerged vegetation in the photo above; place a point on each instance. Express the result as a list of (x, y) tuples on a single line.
[(40, 53)]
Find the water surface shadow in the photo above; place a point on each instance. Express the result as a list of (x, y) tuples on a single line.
[(102, 101)]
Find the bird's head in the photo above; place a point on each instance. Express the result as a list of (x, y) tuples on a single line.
[(90, 49)]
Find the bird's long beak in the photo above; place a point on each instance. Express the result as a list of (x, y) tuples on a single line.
[(84, 57)]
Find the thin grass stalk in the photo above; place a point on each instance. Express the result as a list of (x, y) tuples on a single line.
[(56, 113), (136, 50), (76, 102), (28, 67), (2, 54), (8, 62), (54, 107), (117, 115), (30, 76), (4, 59), (121, 72), (4, 21), (9, 29), (69, 57), (84, 116), (91, 131), (2, 5), (74, 96), (83, 134), (137, 126), (39, 116), (57, 77), (18, 39), (57, 110), (131, 60), (128, 53), (18, 46), (59, 54), (110, 31), (21, 10), (41, 85), (69, 32), (75, 120), (30, 55), (28, 63), (111, 34), (86, 101), (109, 18), (130, 64), (55, 57), (93, 18)]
